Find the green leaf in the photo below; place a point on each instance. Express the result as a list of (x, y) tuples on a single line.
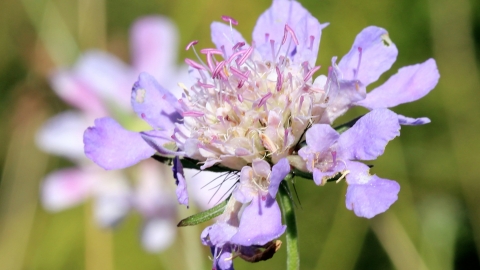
[(204, 216)]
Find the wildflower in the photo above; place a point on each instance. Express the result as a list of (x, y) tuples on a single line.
[(247, 114), (94, 86)]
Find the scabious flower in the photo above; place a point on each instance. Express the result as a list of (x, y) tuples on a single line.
[(98, 85), (255, 112)]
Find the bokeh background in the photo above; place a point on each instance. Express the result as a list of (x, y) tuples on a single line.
[(435, 224)]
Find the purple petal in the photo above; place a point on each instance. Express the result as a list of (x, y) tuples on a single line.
[(321, 137), (279, 171), (403, 120), (112, 147), (260, 223), (158, 234), (367, 139), (154, 46), (160, 140), (320, 178), (342, 94), (244, 192), (368, 195), (261, 168), (221, 233), (182, 194), (225, 37), (68, 187), (271, 26), (154, 104), (409, 84), (378, 55), (62, 135)]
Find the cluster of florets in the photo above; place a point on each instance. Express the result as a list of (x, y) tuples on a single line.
[(257, 109)]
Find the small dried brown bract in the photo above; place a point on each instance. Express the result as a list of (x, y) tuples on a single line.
[(264, 252)]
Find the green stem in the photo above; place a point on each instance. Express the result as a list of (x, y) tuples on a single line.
[(288, 211)]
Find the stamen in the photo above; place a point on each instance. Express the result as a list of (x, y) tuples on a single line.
[(310, 47), (355, 73), (193, 64), (238, 45), (238, 73), (217, 70), (263, 100), (272, 46), (279, 79), (192, 114), (245, 56), (211, 51), (310, 73), (195, 42), (288, 29), (267, 35), (229, 20)]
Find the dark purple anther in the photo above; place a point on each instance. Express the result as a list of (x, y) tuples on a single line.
[(360, 50), (310, 47)]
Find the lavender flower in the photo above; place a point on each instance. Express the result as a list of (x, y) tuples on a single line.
[(255, 111)]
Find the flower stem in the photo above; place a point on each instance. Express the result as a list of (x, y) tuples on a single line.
[(288, 211)]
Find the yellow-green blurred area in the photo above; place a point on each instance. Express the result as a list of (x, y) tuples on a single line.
[(435, 224)]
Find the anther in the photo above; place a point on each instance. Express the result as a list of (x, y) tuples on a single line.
[(288, 29), (192, 43), (193, 64), (229, 20), (360, 52), (279, 79), (312, 38), (310, 73)]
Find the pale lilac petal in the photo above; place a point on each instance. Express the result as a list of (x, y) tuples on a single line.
[(107, 77), (271, 26), (225, 261), (260, 223), (77, 92), (368, 195), (403, 120), (279, 171), (342, 94), (306, 29), (367, 139), (158, 234), (154, 46), (154, 104), (66, 188), (261, 167), (409, 84), (221, 233), (244, 192), (112, 147), (161, 141), (378, 55), (320, 178), (62, 135), (182, 193), (225, 37), (321, 137), (112, 202)]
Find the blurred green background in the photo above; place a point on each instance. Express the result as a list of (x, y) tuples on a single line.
[(435, 224)]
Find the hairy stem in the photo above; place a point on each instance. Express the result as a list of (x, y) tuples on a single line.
[(288, 212)]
